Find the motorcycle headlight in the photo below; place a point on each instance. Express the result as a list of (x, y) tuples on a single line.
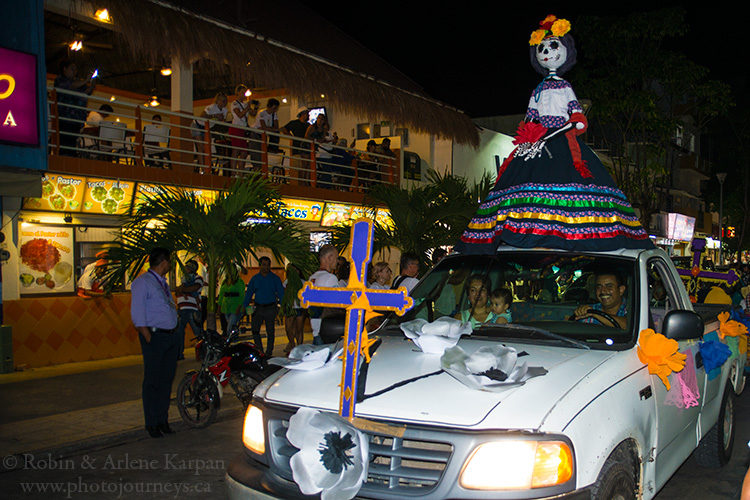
[(517, 464), (253, 433)]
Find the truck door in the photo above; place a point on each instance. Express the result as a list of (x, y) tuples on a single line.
[(676, 422)]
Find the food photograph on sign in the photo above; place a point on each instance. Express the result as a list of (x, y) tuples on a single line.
[(61, 193), (46, 259), (107, 196)]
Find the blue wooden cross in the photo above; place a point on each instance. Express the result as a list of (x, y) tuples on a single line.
[(696, 273), (357, 299)]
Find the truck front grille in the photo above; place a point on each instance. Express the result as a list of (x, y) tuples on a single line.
[(407, 465)]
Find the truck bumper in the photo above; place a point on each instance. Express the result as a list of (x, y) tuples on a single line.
[(247, 479)]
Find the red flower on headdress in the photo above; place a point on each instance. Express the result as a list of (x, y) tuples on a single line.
[(546, 24)]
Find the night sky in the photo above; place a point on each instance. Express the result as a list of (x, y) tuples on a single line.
[(475, 58)]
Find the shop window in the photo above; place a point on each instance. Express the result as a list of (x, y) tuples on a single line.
[(363, 131)]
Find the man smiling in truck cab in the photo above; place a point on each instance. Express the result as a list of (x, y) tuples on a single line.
[(610, 290)]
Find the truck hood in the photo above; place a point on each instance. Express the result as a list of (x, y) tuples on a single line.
[(440, 399)]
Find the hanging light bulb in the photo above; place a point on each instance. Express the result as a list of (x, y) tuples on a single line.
[(154, 102), (76, 45), (284, 100), (166, 71), (248, 93)]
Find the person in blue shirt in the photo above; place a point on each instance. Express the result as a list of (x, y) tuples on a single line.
[(610, 290), (154, 316), (267, 290)]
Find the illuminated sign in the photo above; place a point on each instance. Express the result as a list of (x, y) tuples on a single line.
[(61, 193), (107, 196), (301, 209), (383, 217), (18, 99)]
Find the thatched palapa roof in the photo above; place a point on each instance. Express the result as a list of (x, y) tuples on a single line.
[(287, 45)]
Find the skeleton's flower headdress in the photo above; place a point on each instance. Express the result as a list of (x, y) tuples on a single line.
[(549, 27)]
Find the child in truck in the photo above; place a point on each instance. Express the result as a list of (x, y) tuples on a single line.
[(500, 301)]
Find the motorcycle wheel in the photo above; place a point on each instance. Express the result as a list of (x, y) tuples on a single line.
[(250, 380), (197, 400)]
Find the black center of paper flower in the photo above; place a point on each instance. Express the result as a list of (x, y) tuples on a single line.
[(495, 374), (333, 452)]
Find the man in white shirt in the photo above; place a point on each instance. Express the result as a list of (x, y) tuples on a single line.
[(268, 120), (323, 277), (409, 269), (93, 119)]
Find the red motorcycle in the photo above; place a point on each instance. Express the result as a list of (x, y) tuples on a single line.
[(240, 365)]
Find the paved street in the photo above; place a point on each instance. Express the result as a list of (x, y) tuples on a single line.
[(115, 459), (187, 464)]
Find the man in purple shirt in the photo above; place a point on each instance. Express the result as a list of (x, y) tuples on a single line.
[(268, 291), (154, 315)]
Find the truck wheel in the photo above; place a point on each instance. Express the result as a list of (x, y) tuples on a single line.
[(617, 479), (715, 449)]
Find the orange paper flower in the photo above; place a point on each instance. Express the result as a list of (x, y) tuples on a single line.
[(560, 27), (660, 355), (729, 327), (537, 36)]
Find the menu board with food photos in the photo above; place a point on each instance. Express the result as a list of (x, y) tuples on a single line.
[(107, 196), (205, 195), (61, 193), (339, 213), (145, 190), (45, 259)]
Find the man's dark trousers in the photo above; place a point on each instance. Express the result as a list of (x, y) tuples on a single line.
[(264, 313), (159, 367)]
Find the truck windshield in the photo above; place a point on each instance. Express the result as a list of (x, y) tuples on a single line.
[(534, 295)]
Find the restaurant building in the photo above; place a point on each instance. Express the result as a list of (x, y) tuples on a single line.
[(83, 182)]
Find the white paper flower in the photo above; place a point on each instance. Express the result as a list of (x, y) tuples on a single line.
[(435, 337), (333, 454), (490, 368), (307, 357)]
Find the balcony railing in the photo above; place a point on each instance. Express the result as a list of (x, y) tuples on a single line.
[(132, 136)]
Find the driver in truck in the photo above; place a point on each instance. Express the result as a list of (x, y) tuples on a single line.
[(610, 291)]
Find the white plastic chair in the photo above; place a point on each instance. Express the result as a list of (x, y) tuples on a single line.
[(112, 138)]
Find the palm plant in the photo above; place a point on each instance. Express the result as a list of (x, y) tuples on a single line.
[(217, 232), (424, 217)]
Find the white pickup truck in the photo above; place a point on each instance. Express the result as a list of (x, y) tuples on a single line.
[(597, 404)]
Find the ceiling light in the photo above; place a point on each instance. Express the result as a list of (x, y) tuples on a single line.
[(248, 93), (284, 100), (322, 96), (166, 71), (76, 45), (154, 102), (112, 98), (102, 15)]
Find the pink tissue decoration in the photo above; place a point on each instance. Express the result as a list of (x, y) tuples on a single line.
[(685, 394)]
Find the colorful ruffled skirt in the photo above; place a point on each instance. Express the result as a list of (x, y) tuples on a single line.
[(547, 202)]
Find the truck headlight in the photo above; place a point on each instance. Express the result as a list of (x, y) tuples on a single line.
[(517, 464), (253, 433)]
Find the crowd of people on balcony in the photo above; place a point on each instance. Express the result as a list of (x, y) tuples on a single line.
[(241, 136)]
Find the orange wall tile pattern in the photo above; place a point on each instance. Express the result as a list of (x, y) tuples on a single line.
[(55, 330)]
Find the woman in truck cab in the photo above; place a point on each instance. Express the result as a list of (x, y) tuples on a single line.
[(610, 290), (477, 293)]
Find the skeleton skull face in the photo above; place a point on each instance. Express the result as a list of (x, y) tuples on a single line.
[(551, 54)]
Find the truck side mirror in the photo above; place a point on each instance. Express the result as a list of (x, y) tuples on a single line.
[(682, 325)]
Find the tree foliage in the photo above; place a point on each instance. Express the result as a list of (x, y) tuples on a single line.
[(642, 91), (425, 216), (216, 232)]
